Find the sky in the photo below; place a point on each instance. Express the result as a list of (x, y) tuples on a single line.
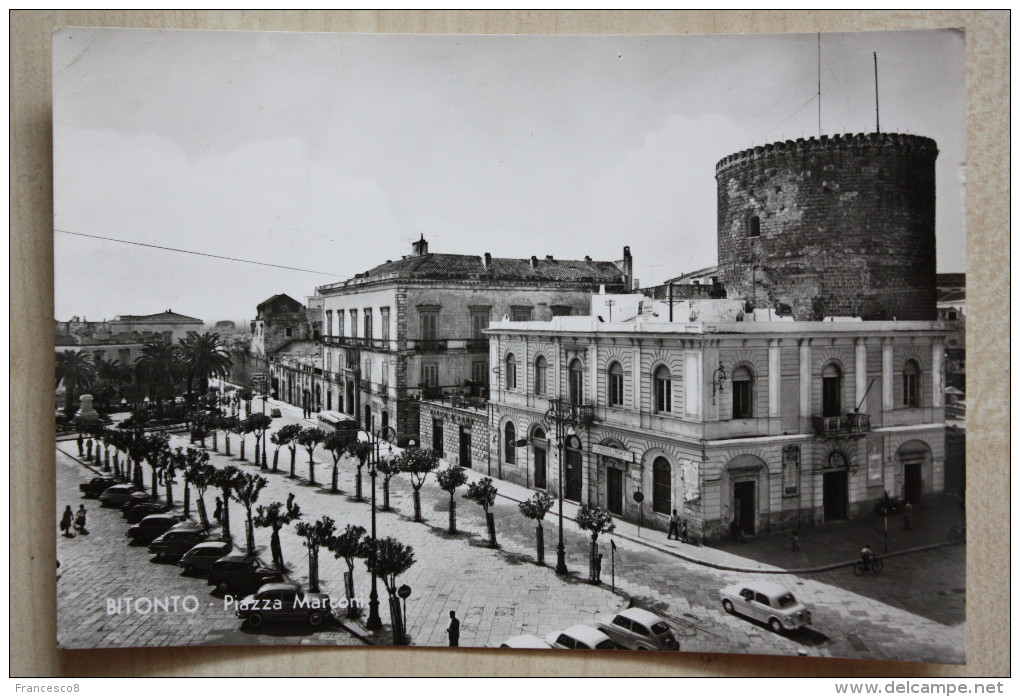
[(331, 153)]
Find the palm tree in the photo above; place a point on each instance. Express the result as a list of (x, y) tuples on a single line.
[(159, 368), (204, 357), (76, 371)]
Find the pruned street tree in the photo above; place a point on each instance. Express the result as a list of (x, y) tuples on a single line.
[(449, 480), (388, 467), (483, 493), (597, 521), (535, 509), (287, 437), (225, 480), (275, 516), (308, 438), (158, 445), (246, 492), (258, 424), (418, 463), (349, 545), (316, 535), (388, 558), (360, 450), (336, 444)]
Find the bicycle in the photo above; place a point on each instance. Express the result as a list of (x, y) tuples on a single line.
[(874, 565)]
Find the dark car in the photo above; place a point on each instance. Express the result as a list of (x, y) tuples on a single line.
[(201, 557), (151, 527), (284, 602), (96, 486), (175, 542), (144, 509), (136, 498), (241, 573)]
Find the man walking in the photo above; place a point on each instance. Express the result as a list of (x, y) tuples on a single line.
[(673, 521), (79, 520), (683, 533), (454, 629), (81, 446)]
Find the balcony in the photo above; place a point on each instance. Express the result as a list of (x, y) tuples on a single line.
[(478, 345), (430, 345), (845, 425), (577, 414)]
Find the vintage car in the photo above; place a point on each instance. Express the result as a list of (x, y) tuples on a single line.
[(150, 527), (174, 543), (136, 498), (580, 636), (284, 602), (241, 573), (201, 557), (766, 602), (144, 509), (638, 629), (96, 486), (117, 495), (526, 641)]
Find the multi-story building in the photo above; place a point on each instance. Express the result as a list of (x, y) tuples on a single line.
[(171, 324), (765, 424), (415, 325)]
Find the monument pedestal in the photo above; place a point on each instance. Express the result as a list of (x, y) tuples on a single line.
[(86, 412)]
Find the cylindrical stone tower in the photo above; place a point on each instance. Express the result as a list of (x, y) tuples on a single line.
[(831, 226)]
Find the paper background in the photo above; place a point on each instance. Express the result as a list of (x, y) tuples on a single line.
[(32, 508)]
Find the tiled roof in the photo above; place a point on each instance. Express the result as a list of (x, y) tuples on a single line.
[(464, 266), (269, 301), (168, 316)]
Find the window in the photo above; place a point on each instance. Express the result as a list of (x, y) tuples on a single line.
[(429, 325), (742, 393), (753, 226), (520, 314), (662, 488), (368, 323), (430, 374), (663, 388), (437, 437), (480, 372), (832, 390), (541, 375), (911, 372), (339, 322), (622, 622), (368, 372), (615, 385), (511, 371), (288, 331), (384, 323), (384, 374), (560, 310), (354, 323), (479, 321), (124, 355), (576, 382), (329, 323), (510, 444)]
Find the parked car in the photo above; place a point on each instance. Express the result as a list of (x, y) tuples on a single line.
[(275, 413), (767, 602), (639, 629), (526, 641), (241, 573), (150, 527), (284, 602), (175, 542), (201, 557), (117, 495), (96, 486), (144, 509), (135, 499), (580, 636)]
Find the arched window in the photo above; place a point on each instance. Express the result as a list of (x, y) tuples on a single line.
[(541, 372), (615, 384), (832, 390), (663, 388), (753, 226), (511, 371), (911, 383), (662, 486), (576, 382), (510, 444), (742, 382)]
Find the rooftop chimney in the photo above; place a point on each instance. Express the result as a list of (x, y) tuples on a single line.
[(534, 262), (630, 283), (420, 248), (587, 258), (549, 257), (487, 261)]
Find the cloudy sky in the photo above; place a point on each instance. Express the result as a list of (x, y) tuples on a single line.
[(330, 153)]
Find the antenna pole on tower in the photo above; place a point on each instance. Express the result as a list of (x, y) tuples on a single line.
[(819, 84), (878, 127)]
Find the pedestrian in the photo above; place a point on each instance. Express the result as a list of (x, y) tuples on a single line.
[(674, 520), (290, 502), (65, 522), (218, 513), (79, 520), (81, 446), (454, 629), (908, 517), (795, 541), (88, 449), (598, 568), (683, 532)]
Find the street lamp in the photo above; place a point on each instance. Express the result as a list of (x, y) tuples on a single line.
[(374, 622), (563, 418)]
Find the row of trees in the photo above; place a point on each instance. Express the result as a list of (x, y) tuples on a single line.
[(157, 372)]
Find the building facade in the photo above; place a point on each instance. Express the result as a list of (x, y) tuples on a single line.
[(171, 324), (414, 326), (765, 425)]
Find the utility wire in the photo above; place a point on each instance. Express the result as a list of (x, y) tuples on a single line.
[(201, 254)]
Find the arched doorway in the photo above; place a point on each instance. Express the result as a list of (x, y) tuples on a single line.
[(611, 474), (835, 486), (748, 492), (573, 464), (368, 419), (916, 461), (384, 420), (540, 452)]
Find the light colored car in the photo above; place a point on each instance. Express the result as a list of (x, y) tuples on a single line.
[(638, 629), (526, 641), (580, 636), (201, 557), (284, 602), (117, 495), (767, 602)]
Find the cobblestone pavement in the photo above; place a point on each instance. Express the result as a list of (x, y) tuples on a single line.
[(499, 593), (102, 565)]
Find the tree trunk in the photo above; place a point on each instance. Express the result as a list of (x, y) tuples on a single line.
[(226, 442), (155, 491), (242, 447), (202, 515), (336, 473), (225, 518), (293, 459), (276, 460), (453, 516), (540, 542), (313, 570), (249, 532), (256, 450), (386, 494), (417, 505), (490, 522), (311, 468), (357, 485), (187, 499), (215, 440), (169, 493), (274, 544)]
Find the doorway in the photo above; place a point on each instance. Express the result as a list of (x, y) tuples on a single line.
[(465, 446), (743, 506), (912, 482), (540, 467), (614, 490), (834, 495), (572, 475), (368, 419)]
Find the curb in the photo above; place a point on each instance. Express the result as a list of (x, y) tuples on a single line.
[(747, 570)]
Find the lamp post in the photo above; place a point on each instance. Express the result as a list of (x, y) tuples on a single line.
[(563, 418)]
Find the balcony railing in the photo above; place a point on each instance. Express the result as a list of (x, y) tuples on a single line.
[(430, 345), (478, 345), (579, 414), (845, 425)]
